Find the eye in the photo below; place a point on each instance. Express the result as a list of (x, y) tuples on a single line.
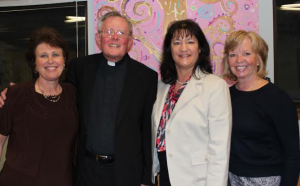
[(247, 53), (121, 32), (109, 31), (43, 56), (191, 42), (176, 43), (55, 55), (231, 55)]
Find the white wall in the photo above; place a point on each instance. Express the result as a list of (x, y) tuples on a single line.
[(266, 31)]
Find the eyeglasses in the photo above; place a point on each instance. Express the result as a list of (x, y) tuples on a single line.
[(111, 32)]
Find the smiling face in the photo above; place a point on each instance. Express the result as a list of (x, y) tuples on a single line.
[(49, 62), (185, 51), (115, 47), (243, 61)]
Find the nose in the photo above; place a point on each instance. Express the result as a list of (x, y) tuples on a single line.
[(50, 59), (115, 35), (183, 47), (239, 58)]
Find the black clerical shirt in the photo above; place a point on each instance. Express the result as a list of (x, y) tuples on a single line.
[(105, 102)]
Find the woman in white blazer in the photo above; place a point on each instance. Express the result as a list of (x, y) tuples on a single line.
[(191, 118)]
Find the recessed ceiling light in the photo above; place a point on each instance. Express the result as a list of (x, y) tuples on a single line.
[(293, 7), (72, 19)]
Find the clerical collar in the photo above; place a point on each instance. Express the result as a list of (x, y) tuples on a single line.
[(112, 64)]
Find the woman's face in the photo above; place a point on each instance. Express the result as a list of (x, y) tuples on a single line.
[(243, 61), (185, 51), (49, 62)]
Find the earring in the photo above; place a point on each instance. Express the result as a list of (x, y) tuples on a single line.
[(36, 71), (199, 50)]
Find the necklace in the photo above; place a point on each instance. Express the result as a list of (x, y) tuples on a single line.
[(179, 82), (52, 98)]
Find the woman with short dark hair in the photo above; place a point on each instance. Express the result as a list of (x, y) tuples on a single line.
[(40, 119)]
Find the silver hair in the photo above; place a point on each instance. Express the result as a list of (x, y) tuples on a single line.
[(113, 14)]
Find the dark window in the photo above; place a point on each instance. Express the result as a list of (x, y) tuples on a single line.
[(287, 49), (16, 26)]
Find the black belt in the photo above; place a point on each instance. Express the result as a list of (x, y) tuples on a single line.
[(100, 158)]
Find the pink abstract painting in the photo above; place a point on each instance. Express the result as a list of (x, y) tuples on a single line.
[(150, 18)]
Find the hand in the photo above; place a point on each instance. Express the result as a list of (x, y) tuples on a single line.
[(3, 95)]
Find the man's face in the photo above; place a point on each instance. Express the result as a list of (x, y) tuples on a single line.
[(113, 46)]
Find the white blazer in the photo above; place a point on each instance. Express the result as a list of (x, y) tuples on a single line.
[(198, 132)]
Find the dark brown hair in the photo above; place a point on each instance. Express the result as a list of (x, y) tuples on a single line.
[(45, 35), (184, 28)]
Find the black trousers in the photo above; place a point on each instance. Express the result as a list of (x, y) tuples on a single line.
[(97, 174), (164, 179)]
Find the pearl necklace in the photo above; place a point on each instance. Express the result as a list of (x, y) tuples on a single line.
[(179, 82)]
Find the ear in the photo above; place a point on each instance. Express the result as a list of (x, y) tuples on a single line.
[(130, 43), (98, 40)]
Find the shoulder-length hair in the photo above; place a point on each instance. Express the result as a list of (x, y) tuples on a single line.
[(184, 28), (259, 46)]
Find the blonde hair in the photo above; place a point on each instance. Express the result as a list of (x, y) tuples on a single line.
[(259, 46)]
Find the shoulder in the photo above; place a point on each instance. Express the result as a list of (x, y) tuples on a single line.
[(275, 93), (142, 72), (214, 81), (20, 88), (142, 67), (19, 92), (161, 84)]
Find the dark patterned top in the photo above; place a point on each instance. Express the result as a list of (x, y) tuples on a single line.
[(170, 103), (42, 137)]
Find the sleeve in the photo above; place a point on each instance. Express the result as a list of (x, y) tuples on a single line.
[(6, 123), (146, 130), (285, 118), (220, 123)]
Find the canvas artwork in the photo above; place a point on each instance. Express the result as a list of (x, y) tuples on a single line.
[(150, 18)]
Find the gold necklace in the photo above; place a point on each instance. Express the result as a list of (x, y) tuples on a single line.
[(52, 98)]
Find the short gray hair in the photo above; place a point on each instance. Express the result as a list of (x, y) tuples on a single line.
[(113, 14)]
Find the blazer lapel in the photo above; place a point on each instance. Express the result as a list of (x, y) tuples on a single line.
[(190, 91), (130, 83)]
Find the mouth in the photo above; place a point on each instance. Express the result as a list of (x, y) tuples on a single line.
[(114, 45), (51, 68), (184, 55), (241, 68)]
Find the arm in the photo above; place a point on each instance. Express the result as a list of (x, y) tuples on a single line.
[(3, 95), (146, 130), (2, 142), (286, 124), (220, 123)]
